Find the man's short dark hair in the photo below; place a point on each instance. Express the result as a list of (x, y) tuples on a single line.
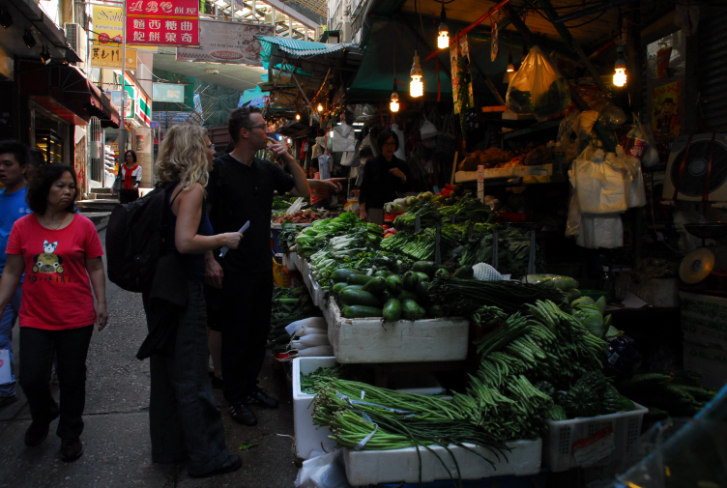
[(36, 158), (17, 149), (384, 136), (240, 119), (39, 186)]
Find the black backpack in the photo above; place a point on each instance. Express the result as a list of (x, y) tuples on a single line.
[(135, 240)]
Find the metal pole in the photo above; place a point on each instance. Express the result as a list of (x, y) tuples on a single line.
[(122, 124)]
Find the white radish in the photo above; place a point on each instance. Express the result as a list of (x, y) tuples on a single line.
[(315, 340), (323, 351)]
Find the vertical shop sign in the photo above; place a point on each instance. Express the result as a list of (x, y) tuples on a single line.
[(168, 23), (143, 108), (666, 108)]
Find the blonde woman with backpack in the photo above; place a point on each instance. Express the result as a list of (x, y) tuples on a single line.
[(184, 420)]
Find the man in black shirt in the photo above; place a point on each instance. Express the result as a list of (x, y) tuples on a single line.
[(240, 189)]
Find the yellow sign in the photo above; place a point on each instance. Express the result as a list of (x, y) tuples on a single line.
[(108, 56), (108, 28)]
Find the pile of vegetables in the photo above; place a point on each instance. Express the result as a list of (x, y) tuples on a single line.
[(469, 209), (513, 248), (422, 246), (401, 205), (304, 217), (282, 202), (289, 305), (679, 395), (428, 215)]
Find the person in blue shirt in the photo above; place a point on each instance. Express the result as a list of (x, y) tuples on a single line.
[(13, 166)]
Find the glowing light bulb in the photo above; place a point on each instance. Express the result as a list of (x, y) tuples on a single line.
[(443, 39), (619, 77), (416, 85), (320, 107), (297, 116), (394, 104)]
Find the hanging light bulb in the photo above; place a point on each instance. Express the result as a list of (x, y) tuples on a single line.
[(416, 86), (394, 104), (443, 39), (320, 107), (297, 116), (619, 76), (510, 65)]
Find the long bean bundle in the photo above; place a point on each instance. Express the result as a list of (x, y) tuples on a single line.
[(466, 296)]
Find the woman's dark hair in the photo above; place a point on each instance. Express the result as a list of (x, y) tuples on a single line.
[(133, 155), (39, 186), (384, 135)]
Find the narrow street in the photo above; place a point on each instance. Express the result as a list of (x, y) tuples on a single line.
[(116, 436)]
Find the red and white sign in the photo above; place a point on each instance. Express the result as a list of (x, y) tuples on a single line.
[(167, 22), (594, 448)]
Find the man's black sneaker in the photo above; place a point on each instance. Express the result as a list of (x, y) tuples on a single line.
[(38, 431), (242, 414), (71, 450), (260, 397), (233, 463)]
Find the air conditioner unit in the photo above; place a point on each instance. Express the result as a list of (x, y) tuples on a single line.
[(695, 174), (78, 39)]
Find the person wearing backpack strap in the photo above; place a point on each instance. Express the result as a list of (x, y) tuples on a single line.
[(241, 190), (183, 417)]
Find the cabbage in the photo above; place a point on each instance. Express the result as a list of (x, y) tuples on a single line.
[(601, 304)]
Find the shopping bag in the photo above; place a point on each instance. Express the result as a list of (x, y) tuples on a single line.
[(633, 179), (344, 138), (538, 87), (118, 182), (6, 373), (599, 182)]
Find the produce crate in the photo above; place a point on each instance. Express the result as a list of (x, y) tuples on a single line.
[(308, 437), (591, 437), (371, 341), (402, 465), (315, 290)]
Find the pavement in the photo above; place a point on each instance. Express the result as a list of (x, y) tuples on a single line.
[(116, 436)]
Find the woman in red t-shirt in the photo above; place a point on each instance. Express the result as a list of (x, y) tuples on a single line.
[(58, 250)]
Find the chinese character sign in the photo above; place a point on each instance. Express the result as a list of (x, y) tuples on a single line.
[(109, 56), (168, 22)]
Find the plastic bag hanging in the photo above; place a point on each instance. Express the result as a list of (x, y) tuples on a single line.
[(538, 87)]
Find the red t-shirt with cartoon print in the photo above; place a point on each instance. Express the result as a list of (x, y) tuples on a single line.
[(57, 290)]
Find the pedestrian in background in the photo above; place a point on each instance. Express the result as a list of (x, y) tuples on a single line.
[(58, 249), (241, 190), (383, 177), (35, 161), (130, 173), (183, 417), (14, 165)]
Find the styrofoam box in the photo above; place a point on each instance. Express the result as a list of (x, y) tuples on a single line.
[(538, 169), (372, 341), (562, 434), (710, 361), (308, 437), (402, 465), (703, 319)]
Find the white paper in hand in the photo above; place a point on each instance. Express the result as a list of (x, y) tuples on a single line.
[(242, 230)]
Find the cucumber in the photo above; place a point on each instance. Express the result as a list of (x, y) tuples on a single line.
[(441, 274), (361, 311), (407, 295), (384, 273), (359, 297), (375, 286), (342, 274), (422, 276), (427, 267), (464, 273), (435, 311), (411, 310), (359, 279), (337, 287), (394, 284), (411, 280), (392, 310), (352, 287), (423, 290)]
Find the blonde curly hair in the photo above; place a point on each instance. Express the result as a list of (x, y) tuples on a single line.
[(183, 156)]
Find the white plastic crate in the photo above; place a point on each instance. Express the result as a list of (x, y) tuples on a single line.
[(371, 341), (308, 437), (402, 465), (563, 434)]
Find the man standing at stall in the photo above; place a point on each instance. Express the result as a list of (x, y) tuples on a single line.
[(13, 166), (241, 189)]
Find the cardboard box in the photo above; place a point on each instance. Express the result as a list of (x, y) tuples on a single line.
[(709, 361), (704, 319)]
